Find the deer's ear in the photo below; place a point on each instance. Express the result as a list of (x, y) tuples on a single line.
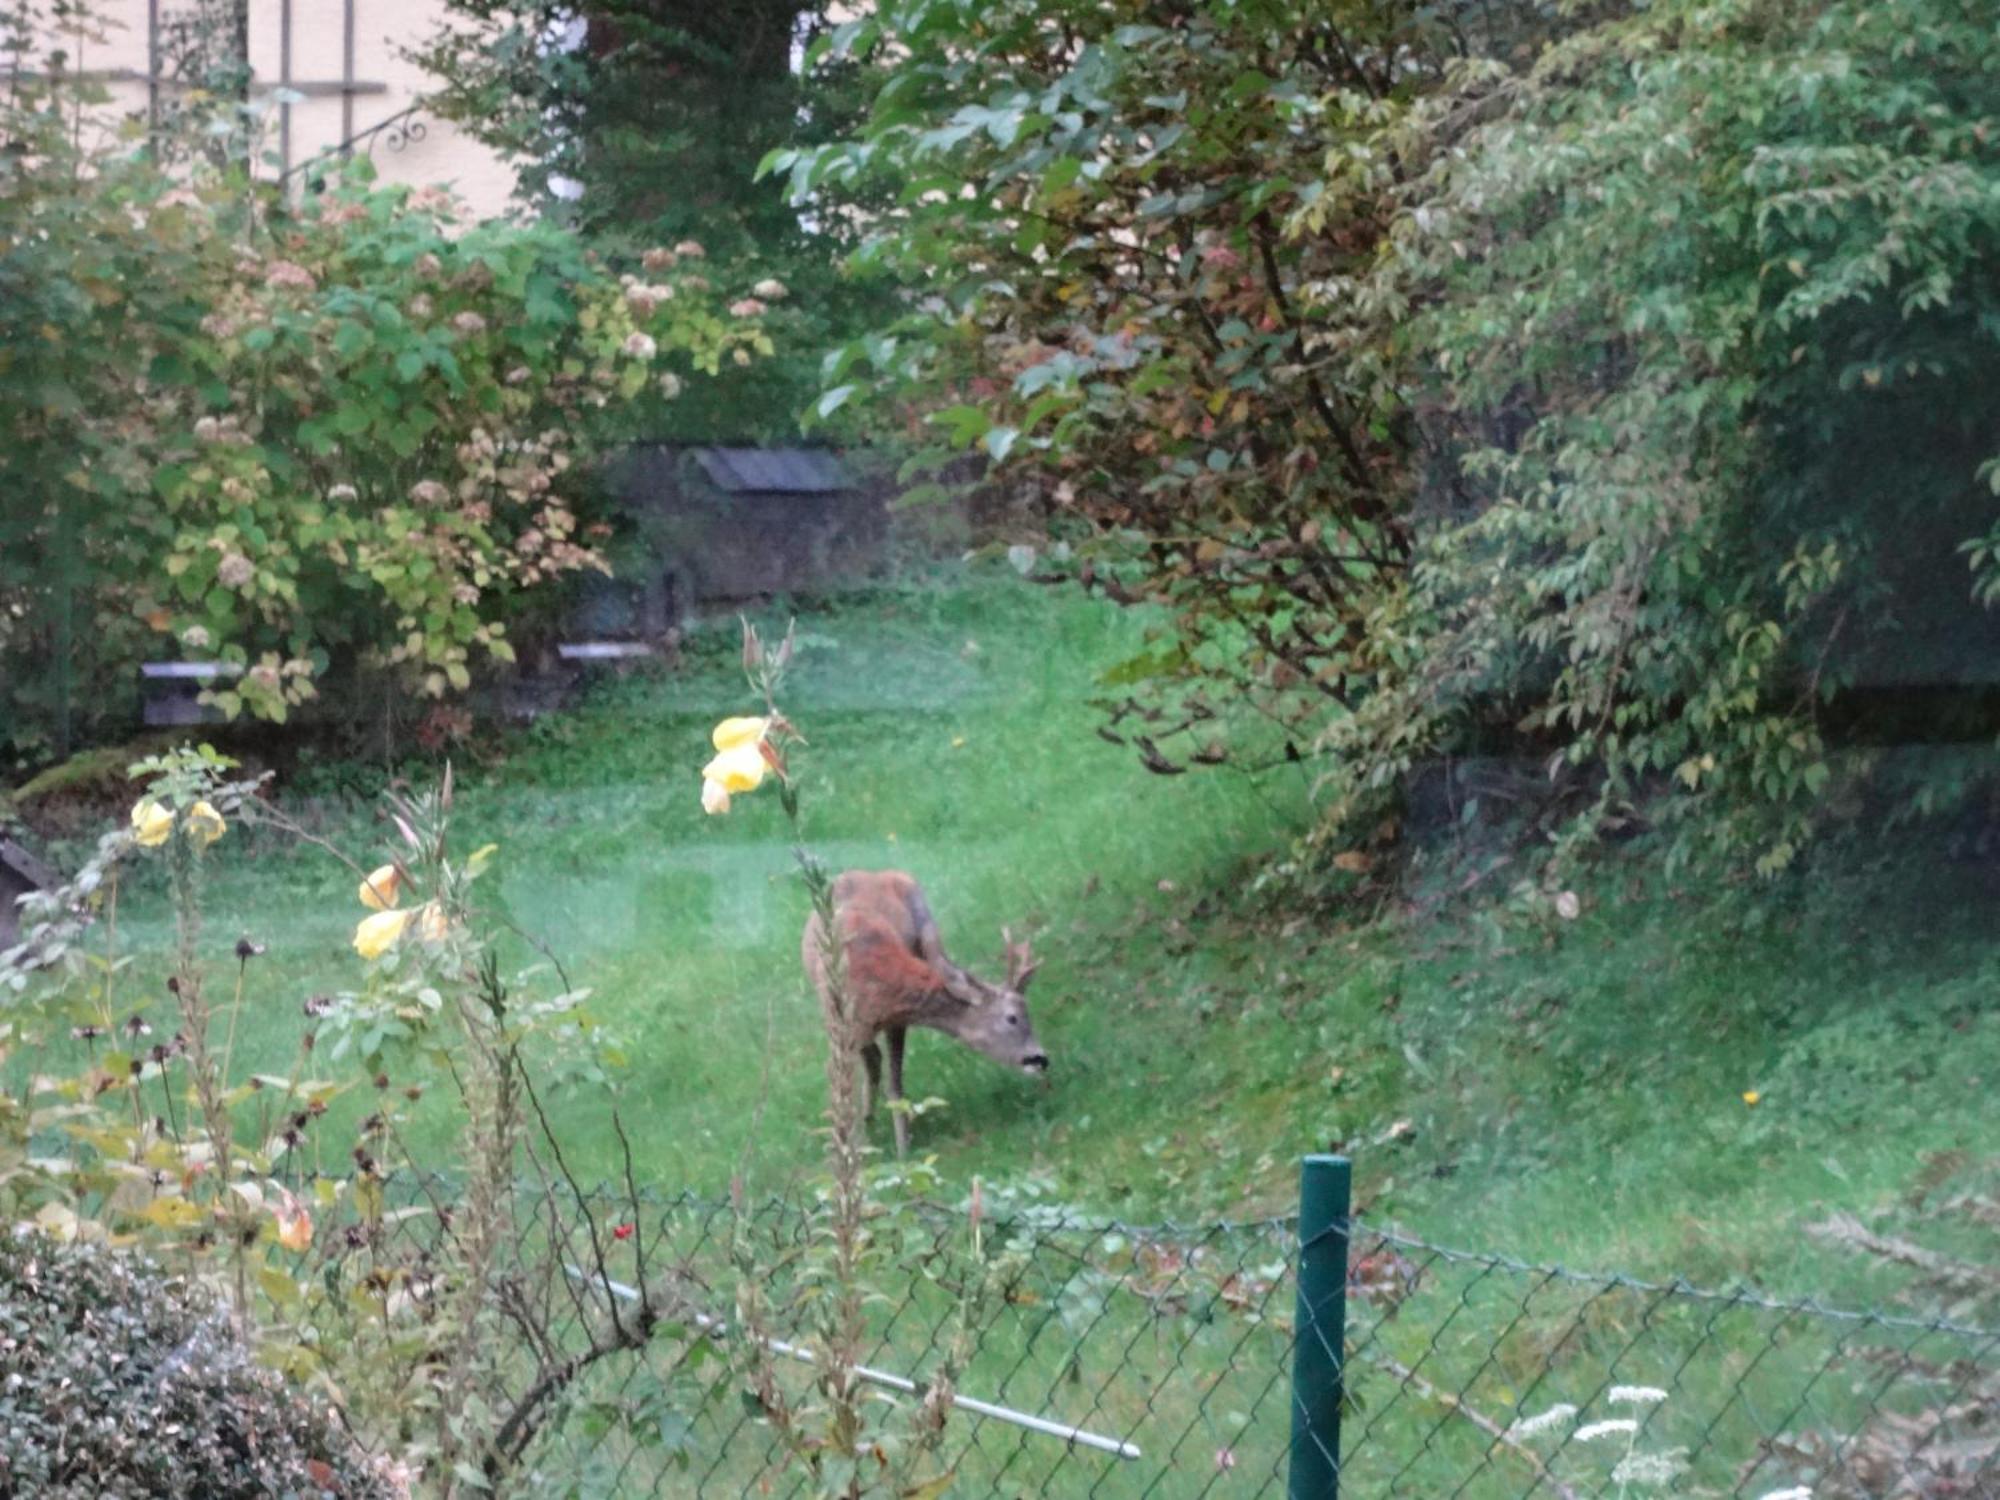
[(963, 988)]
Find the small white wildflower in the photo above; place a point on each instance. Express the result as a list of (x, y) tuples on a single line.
[(770, 289), (1555, 1416), (670, 385), (235, 570), (1635, 1395), (640, 345), (1610, 1427), (343, 492), (429, 492), (469, 323), (1649, 1469), (195, 638), (207, 429), (1796, 1492)]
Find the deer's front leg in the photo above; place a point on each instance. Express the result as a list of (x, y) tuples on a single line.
[(897, 1035), (871, 1067)]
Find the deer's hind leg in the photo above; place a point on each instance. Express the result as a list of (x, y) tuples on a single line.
[(897, 1035), (871, 1068)]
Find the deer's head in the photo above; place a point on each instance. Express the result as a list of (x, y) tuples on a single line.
[(995, 1019)]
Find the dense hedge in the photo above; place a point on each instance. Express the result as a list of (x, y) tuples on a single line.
[(119, 1379)]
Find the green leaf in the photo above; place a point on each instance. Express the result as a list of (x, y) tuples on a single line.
[(280, 1288)]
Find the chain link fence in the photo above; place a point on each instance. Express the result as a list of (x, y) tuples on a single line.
[(1161, 1359)]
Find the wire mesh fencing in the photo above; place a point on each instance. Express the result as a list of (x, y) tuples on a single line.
[(1104, 1359)]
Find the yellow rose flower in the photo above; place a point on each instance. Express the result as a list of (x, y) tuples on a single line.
[(377, 934), (713, 798), (151, 823), (204, 824), (431, 923), (733, 732), (382, 889), (295, 1225), (741, 768)]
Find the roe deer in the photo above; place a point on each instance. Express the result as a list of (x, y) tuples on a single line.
[(897, 976)]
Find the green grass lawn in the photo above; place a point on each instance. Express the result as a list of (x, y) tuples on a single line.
[(1578, 1099)]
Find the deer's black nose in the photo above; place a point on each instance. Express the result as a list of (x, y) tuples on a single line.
[(1037, 1063)]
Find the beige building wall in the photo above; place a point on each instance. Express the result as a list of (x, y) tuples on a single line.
[(345, 58)]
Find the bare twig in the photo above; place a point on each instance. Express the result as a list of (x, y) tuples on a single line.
[(1459, 1407)]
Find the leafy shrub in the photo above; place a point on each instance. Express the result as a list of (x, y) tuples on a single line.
[(1599, 383), (120, 1379), (352, 433)]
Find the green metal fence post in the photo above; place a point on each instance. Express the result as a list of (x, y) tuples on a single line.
[(1319, 1340)]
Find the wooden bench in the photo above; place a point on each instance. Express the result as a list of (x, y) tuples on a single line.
[(20, 873), (588, 652)]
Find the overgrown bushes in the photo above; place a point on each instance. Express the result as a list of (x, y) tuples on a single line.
[(1590, 382), (347, 434), (122, 1381)]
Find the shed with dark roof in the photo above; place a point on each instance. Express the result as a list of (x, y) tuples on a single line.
[(718, 526)]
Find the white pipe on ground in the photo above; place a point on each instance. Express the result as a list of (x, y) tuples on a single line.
[(903, 1383)]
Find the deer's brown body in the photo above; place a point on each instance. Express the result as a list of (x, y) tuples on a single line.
[(896, 975)]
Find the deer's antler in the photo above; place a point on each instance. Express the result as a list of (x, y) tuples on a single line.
[(1021, 960)]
